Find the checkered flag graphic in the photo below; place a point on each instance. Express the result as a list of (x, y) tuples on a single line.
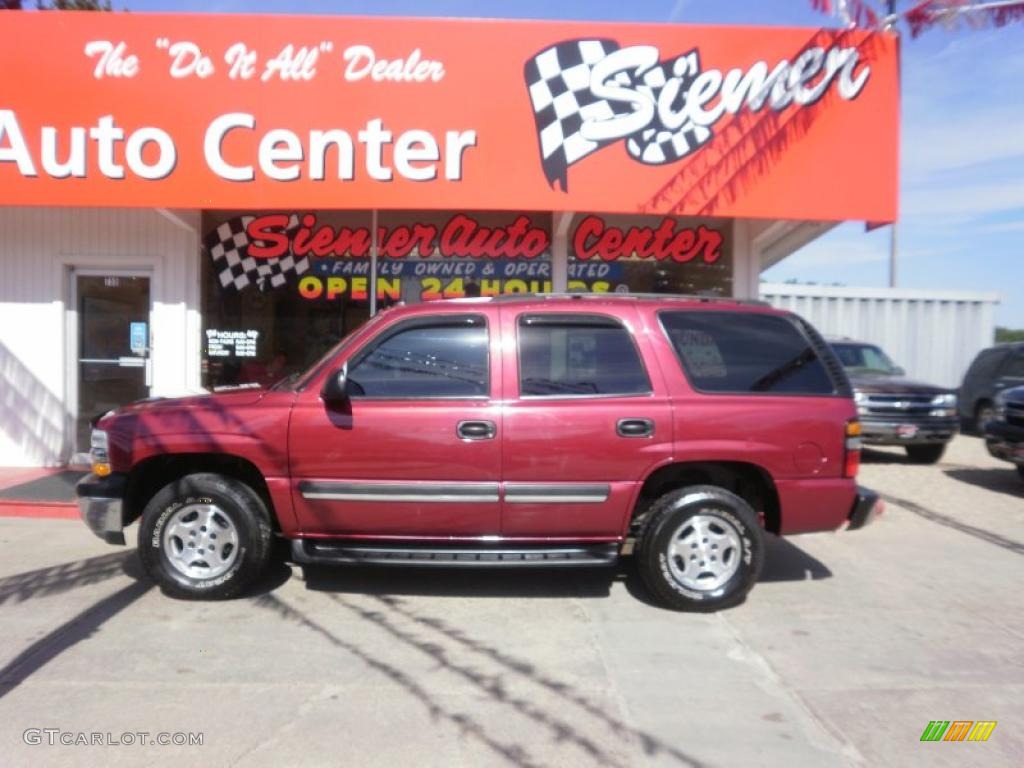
[(558, 81), (229, 248)]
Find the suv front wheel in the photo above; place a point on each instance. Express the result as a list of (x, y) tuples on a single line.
[(205, 536), (701, 548)]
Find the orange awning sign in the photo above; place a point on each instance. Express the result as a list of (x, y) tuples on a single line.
[(247, 112)]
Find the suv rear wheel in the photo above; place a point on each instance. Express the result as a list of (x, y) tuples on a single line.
[(925, 454), (701, 548), (205, 536)]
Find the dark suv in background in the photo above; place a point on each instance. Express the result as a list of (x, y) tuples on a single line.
[(895, 410), (1004, 434), (993, 370)]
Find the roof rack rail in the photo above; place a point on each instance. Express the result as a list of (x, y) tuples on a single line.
[(655, 296)]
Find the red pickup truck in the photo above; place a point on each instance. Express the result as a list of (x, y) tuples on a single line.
[(518, 431)]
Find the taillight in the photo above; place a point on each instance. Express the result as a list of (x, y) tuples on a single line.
[(851, 459)]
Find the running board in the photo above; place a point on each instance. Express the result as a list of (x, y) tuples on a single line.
[(322, 551)]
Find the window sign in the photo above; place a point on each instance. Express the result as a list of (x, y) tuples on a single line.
[(650, 254), (231, 343), (138, 337)]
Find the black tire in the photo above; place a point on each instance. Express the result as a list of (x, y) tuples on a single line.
[(984, 413), (925, 454), (238, 505), (1020, 471), (667, 517)]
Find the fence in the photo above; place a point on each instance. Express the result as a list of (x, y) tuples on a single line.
[(934, 335)]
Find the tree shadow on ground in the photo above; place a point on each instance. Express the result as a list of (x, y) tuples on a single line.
[(379, 595), (58, 579), (63, 577), (457, 652)]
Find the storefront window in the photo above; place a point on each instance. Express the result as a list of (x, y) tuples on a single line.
[(280, 288), (258, 327), (650, 254)]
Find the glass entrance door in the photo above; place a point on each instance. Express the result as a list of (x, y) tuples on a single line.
[(113, 345)]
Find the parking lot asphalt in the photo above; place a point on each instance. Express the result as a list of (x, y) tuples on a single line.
[(850, 644)]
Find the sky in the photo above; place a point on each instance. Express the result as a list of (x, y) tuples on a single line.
[(962, 143)]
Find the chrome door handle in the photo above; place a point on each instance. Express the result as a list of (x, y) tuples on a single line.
[(476, 430), (635, 427)]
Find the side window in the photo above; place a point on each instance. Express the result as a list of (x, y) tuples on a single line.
[(444, 356), (562, 354), (1014, 366), (985, 364), (745, 352)]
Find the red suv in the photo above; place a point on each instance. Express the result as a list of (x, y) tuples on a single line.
[(519, 431)]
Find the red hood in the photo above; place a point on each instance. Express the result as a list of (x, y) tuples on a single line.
[(216, 401), (223, 422), (195, 414)]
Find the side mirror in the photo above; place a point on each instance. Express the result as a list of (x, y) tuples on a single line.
[(899, 371), (335, 389)]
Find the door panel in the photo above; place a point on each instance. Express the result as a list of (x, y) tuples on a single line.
[(113, 345), (380, 466), (569, 469), (395, 469)]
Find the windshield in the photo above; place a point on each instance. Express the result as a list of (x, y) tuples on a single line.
[(865, 358)]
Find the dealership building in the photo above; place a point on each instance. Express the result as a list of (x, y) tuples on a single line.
[(192, 202)]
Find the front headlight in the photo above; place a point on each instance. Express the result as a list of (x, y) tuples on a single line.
[(861, 399), (99, 452), (944, 406)]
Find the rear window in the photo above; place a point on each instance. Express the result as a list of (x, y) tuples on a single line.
[(746, 352)]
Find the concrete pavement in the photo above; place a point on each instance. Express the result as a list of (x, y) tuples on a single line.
[(843, 653)]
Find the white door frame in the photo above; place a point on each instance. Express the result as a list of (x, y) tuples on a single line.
[(71, 334)]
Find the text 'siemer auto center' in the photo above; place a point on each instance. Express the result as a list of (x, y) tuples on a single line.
[(197, 201)]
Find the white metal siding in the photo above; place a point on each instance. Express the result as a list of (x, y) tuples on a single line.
[(38, 247), (934, 335)]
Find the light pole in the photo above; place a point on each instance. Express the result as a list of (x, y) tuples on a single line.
[(890, 25)]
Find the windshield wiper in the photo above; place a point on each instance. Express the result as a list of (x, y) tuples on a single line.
[(284, 383)]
